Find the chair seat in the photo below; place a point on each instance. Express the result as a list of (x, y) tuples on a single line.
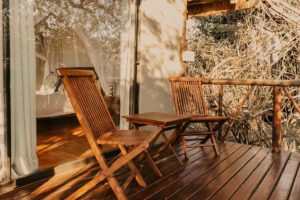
[(207, 118), (125, 137)]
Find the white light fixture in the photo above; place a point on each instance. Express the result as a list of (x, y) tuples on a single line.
[(188, 56)]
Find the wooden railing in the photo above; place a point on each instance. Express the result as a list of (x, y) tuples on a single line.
[(277, 85)]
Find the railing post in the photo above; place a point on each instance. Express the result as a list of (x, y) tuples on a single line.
[(276, 133), (220, 110)]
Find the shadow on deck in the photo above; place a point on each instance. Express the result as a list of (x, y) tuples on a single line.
[(240, 172)]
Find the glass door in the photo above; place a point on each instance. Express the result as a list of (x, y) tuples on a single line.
[(75, 33)]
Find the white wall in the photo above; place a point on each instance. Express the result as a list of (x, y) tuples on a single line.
[(159, 46)]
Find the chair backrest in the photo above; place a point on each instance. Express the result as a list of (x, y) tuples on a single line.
[(87, 101), (188, 96)]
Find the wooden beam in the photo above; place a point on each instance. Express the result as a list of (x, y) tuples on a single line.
[(246, 97), (258, 82)]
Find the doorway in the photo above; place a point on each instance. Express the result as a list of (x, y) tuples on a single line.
[(74, 34)]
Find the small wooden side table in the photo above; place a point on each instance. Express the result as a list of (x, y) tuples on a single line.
[(165, 122)]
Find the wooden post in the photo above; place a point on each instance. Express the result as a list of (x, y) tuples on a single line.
[(276, 133), (220, 110)]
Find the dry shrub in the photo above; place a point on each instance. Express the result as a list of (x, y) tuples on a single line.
[(262, 43)]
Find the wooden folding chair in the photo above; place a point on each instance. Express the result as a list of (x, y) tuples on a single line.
[(189, 100), (100, 129)]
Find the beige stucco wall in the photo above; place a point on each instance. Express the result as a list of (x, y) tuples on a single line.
[(159, 46)]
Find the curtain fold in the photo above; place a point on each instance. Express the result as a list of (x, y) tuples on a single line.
[(3, 149), (23, 78), (96, 53), (127, 61)]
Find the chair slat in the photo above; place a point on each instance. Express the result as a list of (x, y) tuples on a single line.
[(92, 104), (188, 96)]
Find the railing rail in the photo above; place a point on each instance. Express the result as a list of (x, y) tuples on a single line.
[(277, 85), (250, 82)]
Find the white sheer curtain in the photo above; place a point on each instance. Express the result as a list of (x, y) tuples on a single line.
[(127, 62), (23, 76), (3, 151), (2, 136), (96, 53)]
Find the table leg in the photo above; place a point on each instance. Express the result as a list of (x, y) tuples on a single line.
[(170, 147), (179, 129), (184, 147), (134, 126), (152, 164), (169, 141), (147, 155)]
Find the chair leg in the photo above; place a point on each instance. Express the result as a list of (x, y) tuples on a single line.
[(128, 181), (152, 164), (138, 176), (184, 148), (96, 180), (213, 140), (116, 188), (171, 148)]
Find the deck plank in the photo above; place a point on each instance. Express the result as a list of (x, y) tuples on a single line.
[(103, 191), (240, 172), (270, 180), (295, 191), (44, 187), (197, 187), (249, 185), (182, 173), (185, 186), (210, 189), (285, 183), (166, 167), (234, 183)]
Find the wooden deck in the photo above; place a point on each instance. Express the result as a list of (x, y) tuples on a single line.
[(240, 172)]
